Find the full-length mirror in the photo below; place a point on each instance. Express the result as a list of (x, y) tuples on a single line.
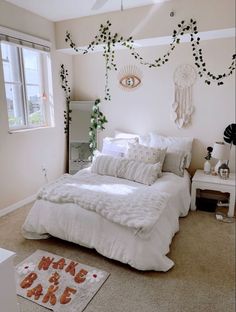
[(79, 152)]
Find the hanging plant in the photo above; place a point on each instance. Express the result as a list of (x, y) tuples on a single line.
[(109, 41), (67, 90), (67, 111), (98, 119)]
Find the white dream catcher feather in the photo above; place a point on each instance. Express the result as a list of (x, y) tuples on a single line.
[(182, 108)]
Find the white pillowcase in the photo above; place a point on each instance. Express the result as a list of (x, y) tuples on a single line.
[(126, 168), (125, 135), (175, 162), (173, 144), (146, 154), (116, 146), (105, 165), (138, 171), (142, 139)]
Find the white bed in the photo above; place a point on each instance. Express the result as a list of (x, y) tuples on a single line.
[(143, 251)]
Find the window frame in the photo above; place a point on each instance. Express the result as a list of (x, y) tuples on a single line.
[(42, 47)]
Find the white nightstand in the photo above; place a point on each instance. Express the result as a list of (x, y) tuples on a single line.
[(204, 181)]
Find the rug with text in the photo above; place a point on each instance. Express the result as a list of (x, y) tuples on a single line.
[(58, 283)]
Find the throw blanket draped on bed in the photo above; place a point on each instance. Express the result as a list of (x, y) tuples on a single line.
[(118, 200)]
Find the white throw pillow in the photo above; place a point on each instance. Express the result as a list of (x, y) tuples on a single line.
[(125, 135), (116, 146), (146, 154), (173, 144), (142, 139), (105, 165), (175, 162), (138, 171), (126, 168)]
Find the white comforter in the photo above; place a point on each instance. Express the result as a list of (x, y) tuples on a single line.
[(118, 200), (69, 221)]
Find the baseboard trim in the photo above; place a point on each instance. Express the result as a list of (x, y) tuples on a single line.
[(17, 205)]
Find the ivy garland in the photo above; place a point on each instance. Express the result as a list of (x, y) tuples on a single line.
[(109, 42), (67, 111), (67, 90), (98, 120)]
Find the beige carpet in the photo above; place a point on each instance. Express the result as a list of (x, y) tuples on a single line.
[(202, 280)]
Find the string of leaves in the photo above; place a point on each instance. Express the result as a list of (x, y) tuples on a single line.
[(67, 90), (67, 111), (97, 121), (110, 41)]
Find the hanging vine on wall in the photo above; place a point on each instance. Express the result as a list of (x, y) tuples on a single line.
[(109, 41), (67, 90), (98, 119)]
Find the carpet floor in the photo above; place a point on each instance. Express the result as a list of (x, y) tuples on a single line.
[(202, 280)]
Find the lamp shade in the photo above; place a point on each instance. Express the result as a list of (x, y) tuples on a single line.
[(221, 151)]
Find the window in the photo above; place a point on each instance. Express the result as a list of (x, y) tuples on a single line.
[(28, 90)]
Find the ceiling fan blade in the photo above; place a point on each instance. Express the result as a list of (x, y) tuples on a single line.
[(98, 4)]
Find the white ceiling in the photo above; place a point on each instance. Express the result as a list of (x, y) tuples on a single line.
[(58, 10)]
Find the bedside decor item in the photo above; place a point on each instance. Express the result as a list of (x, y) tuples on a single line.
[(182, 108), (207, 164), (221, 152), (224, 171), (58, 283)]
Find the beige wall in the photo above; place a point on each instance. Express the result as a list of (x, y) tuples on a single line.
[(150, 21), (23, 154), (148, 108)]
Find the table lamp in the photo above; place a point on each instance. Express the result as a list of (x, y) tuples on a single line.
[(221, 152)]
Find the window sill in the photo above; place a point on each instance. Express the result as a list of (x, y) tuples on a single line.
[(29, 129)]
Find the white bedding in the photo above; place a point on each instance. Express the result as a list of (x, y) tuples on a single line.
[(118, 200), (69, 221)]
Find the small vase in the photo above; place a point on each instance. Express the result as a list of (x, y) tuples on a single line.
[(207, 167)]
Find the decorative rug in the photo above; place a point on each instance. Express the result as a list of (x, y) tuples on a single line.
[(58, 283)]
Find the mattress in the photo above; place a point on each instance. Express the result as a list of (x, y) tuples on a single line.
[(70, 222)]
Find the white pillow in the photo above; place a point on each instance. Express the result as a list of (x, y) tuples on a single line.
[(175, 162), (138, 171), (173, 144), (105, 165), (125, 135), (126, 168), (142, 139), (146, 154), (116, 146)]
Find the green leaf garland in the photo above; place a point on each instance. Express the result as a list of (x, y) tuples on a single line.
[(97, 121), (109, 41)]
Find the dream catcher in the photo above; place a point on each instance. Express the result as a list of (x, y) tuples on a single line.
[(182, 108)]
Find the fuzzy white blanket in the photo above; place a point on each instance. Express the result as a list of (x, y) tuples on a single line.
[(124, 202)]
